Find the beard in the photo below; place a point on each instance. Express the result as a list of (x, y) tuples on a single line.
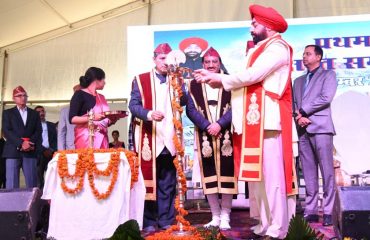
[(257, 37), (193, 55)]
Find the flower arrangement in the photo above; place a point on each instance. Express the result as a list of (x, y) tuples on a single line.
[(177, 140), (86, 164), (201, 233)]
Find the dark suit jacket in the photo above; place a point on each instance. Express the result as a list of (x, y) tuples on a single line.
[(14, 130), (316, 100), (52, 136)]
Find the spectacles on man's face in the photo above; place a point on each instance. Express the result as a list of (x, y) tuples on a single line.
[(21, 95)]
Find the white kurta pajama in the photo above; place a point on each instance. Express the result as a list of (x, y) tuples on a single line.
[(271, 67)]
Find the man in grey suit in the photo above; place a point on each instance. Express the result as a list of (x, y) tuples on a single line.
[(66, 134), (313, 93)]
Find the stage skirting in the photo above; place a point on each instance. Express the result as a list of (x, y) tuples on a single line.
[(82, 216)]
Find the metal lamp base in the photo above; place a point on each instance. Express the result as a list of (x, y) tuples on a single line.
[(182, 233)]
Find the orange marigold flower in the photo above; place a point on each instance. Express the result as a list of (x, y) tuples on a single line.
[(86, 164)]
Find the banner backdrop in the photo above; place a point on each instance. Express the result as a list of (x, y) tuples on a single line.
[(346, 44)]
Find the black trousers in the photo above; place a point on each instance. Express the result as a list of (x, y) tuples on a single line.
[(162, 211), (42, 165), (2, 172)]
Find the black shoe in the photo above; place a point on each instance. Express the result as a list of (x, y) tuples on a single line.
[(165, 227), (312, 218), (255, 237), (269, 238), (327, 220), (147, 231)]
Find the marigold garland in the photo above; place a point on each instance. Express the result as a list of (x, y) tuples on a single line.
[(81, 167), (181, 176), (168, 234), (86, 164)]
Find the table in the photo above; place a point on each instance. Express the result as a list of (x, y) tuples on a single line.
[(82, 216)]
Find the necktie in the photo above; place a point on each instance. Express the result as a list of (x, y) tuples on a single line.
[(161, 78), (212, 102), (308, 78)]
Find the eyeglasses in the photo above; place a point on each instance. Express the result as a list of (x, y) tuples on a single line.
[(21, 95)]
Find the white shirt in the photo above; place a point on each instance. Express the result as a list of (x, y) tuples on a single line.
[(23, 113), (45, 136), (164, 129), (212, 94)]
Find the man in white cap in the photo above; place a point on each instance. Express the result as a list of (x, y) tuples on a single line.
[(22, 130)]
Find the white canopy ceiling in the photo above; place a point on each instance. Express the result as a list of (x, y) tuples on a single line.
[(22, 19)]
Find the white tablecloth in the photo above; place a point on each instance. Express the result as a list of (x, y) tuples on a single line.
[(82, 216)]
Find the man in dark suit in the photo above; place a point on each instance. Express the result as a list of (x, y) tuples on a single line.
[(22, 131), (49, 144), (313, 93)]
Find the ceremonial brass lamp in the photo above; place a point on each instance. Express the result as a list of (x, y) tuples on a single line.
[(176, 74)]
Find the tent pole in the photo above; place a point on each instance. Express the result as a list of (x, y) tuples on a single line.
[(3, 80)]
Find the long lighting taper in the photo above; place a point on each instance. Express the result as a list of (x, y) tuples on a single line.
[(176, 80)]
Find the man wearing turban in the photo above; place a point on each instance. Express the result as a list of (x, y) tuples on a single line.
[(193, 48), (262, 119)]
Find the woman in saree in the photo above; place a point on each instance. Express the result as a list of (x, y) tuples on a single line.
[(88, 99)]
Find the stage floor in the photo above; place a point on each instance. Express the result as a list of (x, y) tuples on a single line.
[(241, 224)]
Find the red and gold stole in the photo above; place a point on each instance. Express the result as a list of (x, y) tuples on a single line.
[(253, 124), (146, 151)]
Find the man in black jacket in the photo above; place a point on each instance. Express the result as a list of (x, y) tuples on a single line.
[(48, 146), (22, 131)]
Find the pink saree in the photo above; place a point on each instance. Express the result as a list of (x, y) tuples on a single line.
[(101, 128)]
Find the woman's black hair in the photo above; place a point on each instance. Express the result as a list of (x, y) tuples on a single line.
[(92, 74)]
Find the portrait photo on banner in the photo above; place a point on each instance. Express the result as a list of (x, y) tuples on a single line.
[(346, 44)]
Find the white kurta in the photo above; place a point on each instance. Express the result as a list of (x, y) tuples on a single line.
[(82, 216), (164, 129), (272, 69)]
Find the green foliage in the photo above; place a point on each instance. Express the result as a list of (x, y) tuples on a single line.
[(299, 229), (211, 233), (127, 231)]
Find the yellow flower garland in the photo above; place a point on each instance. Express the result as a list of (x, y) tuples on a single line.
[(86, 164)]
